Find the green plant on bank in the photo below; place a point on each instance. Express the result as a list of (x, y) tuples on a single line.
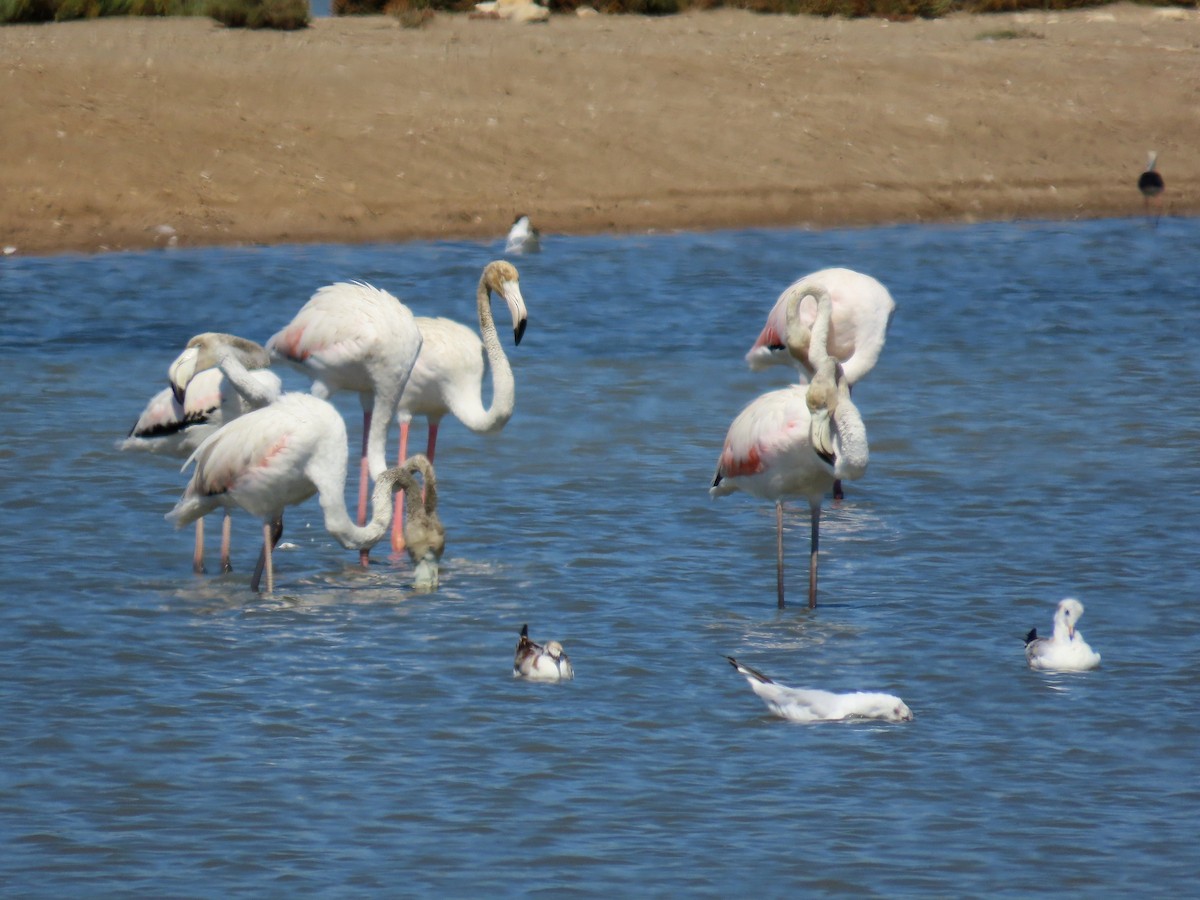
[(281, 14)]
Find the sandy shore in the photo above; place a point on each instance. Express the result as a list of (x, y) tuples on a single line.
[(132, 133)]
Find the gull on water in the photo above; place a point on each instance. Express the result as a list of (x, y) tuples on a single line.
[(1065, 650), (541, 663), (523, 237), (802, 705)]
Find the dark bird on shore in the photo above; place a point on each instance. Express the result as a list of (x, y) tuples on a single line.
[(1150, 183)]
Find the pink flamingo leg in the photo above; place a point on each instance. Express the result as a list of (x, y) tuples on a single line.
[(198, 552), (364, 480), (398, 509), (226, 533)]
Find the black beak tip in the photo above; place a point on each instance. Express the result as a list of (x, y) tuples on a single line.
[(177, 393), (519, 331)]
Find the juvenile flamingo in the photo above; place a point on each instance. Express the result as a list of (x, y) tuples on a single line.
[(448, 374), (352, 336), (424, 536), (795, 442), (276, 457)]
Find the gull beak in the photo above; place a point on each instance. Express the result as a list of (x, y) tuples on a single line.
[(516, 305), (182, 371)]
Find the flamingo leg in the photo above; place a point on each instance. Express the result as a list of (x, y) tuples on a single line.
[(432, 443), (779, 551), (272, 531), (198, 552), (398, 508), (364, 480), (226, 534), (812, 559)]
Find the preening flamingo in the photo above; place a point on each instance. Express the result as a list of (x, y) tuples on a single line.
[(862, 309), (424, 536), (355, 337), (1065, 650), (276, 457), (243, 363), (795, 442), (448, 374), (1150, 183), (541, 663), (523, 237)]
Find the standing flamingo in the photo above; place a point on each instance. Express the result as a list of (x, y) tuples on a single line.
[(448, 375), (276, 457), (862, 310), (795, 442), (352, 336), (176, 422), (424, 536), (1150, 183)]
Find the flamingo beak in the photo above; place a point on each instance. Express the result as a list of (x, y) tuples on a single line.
[(181, 372), (516, 305)]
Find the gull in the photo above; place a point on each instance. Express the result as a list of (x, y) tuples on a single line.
[(523, 237), (802, 705), (541, 663), (1066, 650)]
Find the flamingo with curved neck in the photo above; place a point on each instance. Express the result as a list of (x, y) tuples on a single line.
[(448, 375)]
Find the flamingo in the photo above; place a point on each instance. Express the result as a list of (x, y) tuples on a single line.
[(352, 336), (1150, 183), (796, 441), (276, 457), (424, 536), (243, 363), (232, 359), (448, 375), (862, 310), (1066, 650), (805, 705), (523, 237), (176, 421), (541, 663)]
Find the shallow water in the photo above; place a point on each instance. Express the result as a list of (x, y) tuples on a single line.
[(1033, 436)]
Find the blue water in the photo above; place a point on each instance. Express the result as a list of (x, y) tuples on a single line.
[(1034, 435)]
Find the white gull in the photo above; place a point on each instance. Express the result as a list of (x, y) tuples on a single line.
[(1066, 650), (803, 705)]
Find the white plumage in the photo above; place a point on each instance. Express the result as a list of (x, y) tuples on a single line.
[(1065, 650), (806, 705), (861, 311), (541, 663)]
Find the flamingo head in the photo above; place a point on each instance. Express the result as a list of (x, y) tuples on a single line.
[(822, 400), (500, 277)]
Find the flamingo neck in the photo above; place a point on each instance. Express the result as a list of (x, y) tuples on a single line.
[(504, 394), (852, 452), (337, 518)]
